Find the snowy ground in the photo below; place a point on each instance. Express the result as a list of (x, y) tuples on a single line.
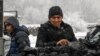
[(33, 40)]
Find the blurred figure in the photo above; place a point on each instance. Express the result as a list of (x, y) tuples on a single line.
[(93, 36), (19, 37), (55, 31)]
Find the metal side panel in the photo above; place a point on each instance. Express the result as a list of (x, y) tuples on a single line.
[(1, 47)]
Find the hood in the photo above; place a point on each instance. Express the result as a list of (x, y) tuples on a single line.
[(12, 20), (15, 23), (24, 28)]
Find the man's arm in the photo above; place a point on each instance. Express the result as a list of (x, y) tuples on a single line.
[(69, 34)]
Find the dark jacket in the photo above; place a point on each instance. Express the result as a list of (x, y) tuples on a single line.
[(19, 38), (49, 35)]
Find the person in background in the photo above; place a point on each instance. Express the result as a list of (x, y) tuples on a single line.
[(55, 32), (19, 37), (93, 36)]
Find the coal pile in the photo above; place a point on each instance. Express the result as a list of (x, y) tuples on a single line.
[(80, 48)]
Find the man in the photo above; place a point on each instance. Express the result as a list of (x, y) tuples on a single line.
[(55, 32), (19, 37)]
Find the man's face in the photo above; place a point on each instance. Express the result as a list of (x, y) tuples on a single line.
[(56, 20), (8, 27)]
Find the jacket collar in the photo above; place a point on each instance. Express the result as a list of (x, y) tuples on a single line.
[(62, 24)]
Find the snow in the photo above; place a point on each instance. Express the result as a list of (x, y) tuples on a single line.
[(32, 25), (8, 14), (32, 40), (80, 35)]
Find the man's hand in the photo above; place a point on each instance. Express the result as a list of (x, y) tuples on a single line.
[(63, 42)]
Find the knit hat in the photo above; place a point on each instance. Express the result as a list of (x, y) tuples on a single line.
[(55, 10)]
